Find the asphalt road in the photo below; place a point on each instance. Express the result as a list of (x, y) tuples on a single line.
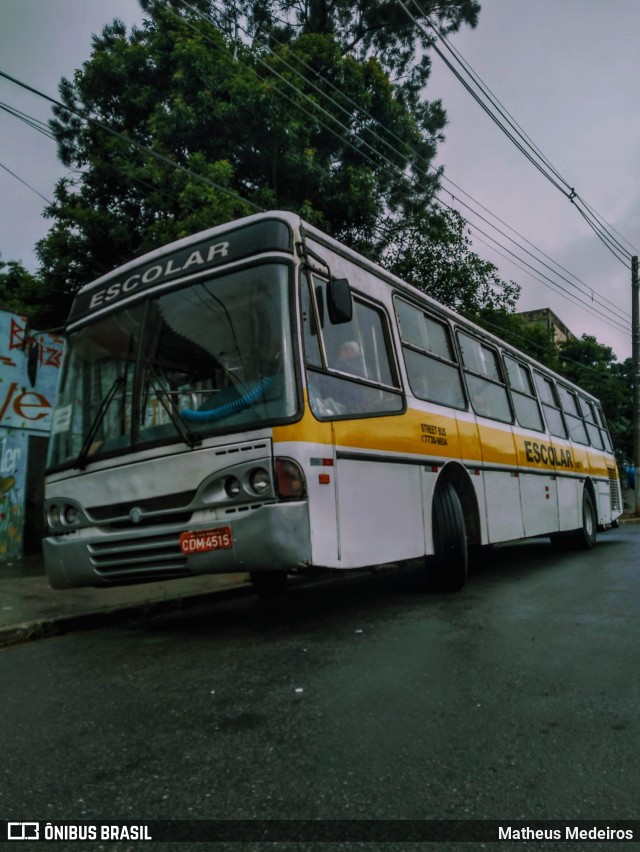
[(350, 699)]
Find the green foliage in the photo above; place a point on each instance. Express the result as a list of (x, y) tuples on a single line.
[(534, 339), (379, 28), (26, 294), (248, 128), (594, 367), (433, 252)]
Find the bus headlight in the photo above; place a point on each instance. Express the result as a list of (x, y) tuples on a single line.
[(259, 480), (232, 486), (70, 514), (53, 517), (62, 516)]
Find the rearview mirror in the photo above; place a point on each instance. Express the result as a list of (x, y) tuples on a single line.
[(339, 301)]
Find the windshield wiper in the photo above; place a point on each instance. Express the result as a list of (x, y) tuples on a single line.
[(163, 396), (83, 455)]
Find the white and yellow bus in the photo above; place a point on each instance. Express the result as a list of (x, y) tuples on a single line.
[(259, 398)]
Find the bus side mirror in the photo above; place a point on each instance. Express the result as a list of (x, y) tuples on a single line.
[(339, 301)]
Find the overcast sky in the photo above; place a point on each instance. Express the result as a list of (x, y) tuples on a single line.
[(567, 71)]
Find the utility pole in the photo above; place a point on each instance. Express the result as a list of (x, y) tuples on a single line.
[(635, 356)]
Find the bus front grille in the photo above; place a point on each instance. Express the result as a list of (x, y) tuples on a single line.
[(127, 559)]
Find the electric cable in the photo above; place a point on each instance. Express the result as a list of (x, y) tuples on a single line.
[(384, 141), (524, 144)]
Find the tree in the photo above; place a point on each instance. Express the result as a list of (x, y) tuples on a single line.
[(433, 252), (534, 339), (594, 367), (26, 294), (178, 126), (399, 40)]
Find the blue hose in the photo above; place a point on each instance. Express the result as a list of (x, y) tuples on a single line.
[(244, 401)]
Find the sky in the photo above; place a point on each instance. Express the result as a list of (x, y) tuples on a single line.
[(566, 71)]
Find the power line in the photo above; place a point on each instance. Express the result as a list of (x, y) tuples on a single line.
[(587, 288), (334, 102), (549, 283), (384, 141), (130, 141), (296, 89), (515, 134), (28, 185), (622, 314)]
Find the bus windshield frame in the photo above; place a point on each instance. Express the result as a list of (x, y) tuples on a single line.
[(202, 358)]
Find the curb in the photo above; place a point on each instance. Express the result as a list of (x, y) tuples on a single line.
[(44, 628)]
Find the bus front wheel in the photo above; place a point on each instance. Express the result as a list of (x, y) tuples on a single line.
[(448, 566)]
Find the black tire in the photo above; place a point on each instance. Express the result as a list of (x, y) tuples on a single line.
[(269, 583), (584, 537), (448, 567)]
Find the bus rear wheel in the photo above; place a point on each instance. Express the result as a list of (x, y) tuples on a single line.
[(584, 537), (448, 566)]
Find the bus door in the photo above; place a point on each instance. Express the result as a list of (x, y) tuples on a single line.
[(353, 383)]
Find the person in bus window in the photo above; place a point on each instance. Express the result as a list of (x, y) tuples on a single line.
[(349, 359)]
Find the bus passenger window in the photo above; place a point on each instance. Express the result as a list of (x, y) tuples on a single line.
[(551, 406), (429, 357), (589, 414), (523, 395), (603, 430), (573, 417), (487, 389)]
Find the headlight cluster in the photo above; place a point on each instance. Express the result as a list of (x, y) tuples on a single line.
[(257, 480), (61, 516)]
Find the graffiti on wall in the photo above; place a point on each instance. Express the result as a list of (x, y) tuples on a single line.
[(29, 369), (26, 400), (13, 458)]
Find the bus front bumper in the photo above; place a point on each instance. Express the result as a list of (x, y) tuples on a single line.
[(273, 537)]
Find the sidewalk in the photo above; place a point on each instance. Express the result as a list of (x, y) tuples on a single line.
[(31, 609)]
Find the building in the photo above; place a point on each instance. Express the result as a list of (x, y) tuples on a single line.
[(29, 369), (547, 318)]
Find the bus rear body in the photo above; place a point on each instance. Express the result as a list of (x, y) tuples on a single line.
[(259, 398)]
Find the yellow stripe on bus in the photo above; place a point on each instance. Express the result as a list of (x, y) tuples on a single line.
[(444, 437)]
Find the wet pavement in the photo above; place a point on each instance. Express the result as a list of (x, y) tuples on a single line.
[(31, 609)]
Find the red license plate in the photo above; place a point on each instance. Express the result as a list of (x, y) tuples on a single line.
[(201, 542)]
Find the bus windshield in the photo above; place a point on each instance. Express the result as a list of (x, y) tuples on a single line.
[(209, 357)]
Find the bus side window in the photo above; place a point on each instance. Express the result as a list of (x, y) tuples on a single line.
[(590, 417), (604, 430), (551, 406), (351, 371), (429, 357), (573, 417), (523, 395), (487, 389)]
